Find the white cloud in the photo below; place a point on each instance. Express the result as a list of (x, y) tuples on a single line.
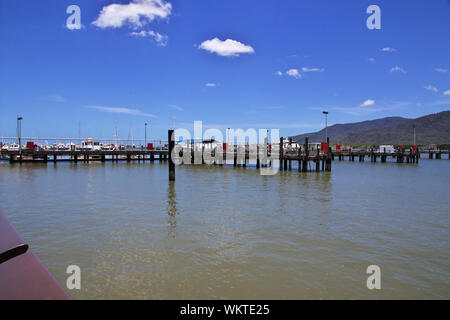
[(359, 110), (441, 70), (279, 73), (304, 69), (294, 73), (161, 39), (368, 103), (209, 84), (133, 112), (53, 98), (387, 49), (398, 69), (431, 88), (175, 107), (226, 48), (447, 93), (372, 60), (137, 13)]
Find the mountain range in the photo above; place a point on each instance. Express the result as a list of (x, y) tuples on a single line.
[(430, 129)]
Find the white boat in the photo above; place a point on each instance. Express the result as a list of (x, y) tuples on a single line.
[(91, 145), (11, 147)]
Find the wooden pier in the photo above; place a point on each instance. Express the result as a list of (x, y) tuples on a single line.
[(307, 158), (85, 156)]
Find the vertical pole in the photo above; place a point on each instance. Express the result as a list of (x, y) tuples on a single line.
[(299, 159), (318, 160), (306, 159), (171, 163), (328, 164), (257, 157), (281, 155), (145, 142)]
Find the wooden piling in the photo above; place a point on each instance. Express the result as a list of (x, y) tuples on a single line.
[(329, 156), (171, 163), (305, 160), (280, 153)]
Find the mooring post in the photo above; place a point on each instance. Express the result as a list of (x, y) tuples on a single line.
[(299, 159), (306, 159), (318, 160), (329, 156), (281, 155), (171, 163)]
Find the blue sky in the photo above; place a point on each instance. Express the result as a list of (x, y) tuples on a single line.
[(284, 63)]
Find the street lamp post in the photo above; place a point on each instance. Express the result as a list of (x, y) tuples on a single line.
[(19, 133), (145, 141), (326, 124)]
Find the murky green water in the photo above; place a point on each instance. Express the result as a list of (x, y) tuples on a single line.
[(232, 233)]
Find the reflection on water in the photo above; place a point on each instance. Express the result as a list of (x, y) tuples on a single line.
[(172, 207), (224, 232)]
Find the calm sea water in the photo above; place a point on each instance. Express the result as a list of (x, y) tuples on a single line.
[(230, 233)]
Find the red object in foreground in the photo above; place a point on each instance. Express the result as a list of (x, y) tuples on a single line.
[(415, 147), (22, 275), (338, 147), (150, 146), (224, 145), (30, 145), (324, 147)]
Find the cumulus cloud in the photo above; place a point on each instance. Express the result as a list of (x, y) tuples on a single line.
[(368, 103), (294, 73), (279, 73), (431, 88), (398, 69), (209, 84), (137, 13), (447, 93), (226, 48), (133, 112), (160, 39), (441, 70), (387, 49), (304, 69)]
